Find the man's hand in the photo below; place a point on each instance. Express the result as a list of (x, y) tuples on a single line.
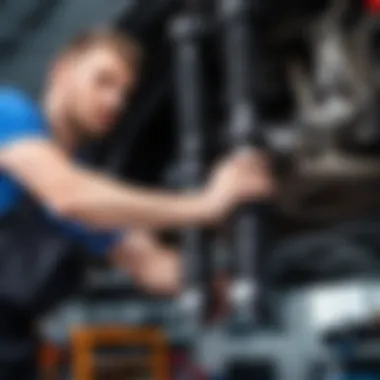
[(240, 178), (153, 266)]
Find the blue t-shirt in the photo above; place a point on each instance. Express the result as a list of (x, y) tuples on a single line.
[(20, 119)]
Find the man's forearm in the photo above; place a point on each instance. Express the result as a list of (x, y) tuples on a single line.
[(99, 201), (107, 203)]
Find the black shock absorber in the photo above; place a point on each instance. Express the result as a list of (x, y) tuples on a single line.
[(243, 133), (187, 30)]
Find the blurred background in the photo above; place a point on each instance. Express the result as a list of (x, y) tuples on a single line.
[(288, 290)]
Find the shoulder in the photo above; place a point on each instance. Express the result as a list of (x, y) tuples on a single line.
[(14, 101), (19, 112)]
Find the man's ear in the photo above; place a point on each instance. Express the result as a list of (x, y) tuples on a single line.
[(59, 69)]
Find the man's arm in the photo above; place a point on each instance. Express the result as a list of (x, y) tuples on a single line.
[(102, 202), (153, 266)]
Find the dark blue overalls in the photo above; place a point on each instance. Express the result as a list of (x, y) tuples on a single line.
[(41, 256)]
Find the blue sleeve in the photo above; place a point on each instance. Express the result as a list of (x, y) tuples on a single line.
[(98, 243), (20, 118), (101, 243)]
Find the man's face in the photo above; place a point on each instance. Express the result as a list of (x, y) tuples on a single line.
[(97, 83)]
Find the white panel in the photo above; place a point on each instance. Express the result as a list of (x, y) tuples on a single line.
[(330, 306)]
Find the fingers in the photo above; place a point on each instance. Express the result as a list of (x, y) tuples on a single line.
[(251, 156), (255, 172), (162, 275), (252, 163), (247, 160), (241, 177)]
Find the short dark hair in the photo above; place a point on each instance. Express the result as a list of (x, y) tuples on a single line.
[(122, 43)]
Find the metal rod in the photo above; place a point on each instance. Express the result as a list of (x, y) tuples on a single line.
[(186, 30), (242, 130)]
